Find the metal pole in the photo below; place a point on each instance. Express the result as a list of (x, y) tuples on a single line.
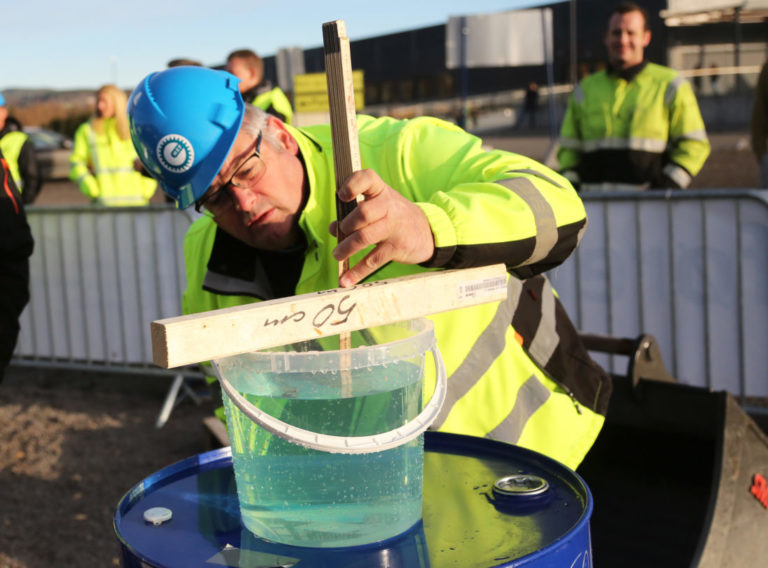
[(546, 24), (737, 47), (574, 45), (464, 76)]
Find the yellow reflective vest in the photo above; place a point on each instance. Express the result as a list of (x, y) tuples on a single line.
[(517, 370), (102, 165), (11, 145), (274, 101), (633, 130)]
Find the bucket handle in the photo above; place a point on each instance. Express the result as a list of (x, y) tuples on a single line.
[(346, 444)]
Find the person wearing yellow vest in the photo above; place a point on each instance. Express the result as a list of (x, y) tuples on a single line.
[(19, 152), (249, 68), (434, 199), (635, 125), (103, 162)]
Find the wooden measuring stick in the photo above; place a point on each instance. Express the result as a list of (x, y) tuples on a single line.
[(346, 148), (341, 99), (195, 338)]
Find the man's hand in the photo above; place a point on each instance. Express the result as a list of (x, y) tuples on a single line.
[(397, 227)]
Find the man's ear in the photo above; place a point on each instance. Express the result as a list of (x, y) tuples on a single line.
[(281, 133), (647, 38)]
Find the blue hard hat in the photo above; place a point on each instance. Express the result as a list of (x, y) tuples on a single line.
[(184, 121), (2, 100)]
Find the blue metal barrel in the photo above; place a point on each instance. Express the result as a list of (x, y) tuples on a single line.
[(486, 504)]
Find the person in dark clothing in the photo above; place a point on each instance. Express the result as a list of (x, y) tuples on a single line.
[(16, 246), (530, 106), (20, 154)]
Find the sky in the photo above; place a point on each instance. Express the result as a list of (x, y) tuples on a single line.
[(83, 44)]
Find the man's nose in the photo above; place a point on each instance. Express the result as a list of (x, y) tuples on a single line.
[(242, 198)]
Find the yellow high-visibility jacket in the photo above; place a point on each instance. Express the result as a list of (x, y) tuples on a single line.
[(274, 101), (102, 165), (638, 129), (517, 370), (11, 145)]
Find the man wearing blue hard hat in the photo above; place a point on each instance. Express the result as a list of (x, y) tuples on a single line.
[(433, 199)]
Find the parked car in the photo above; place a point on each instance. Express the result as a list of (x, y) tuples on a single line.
[(53, 151)]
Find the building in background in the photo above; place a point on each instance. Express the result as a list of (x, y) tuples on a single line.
[(411, 66)]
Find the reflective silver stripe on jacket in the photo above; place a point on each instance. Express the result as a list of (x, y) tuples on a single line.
[(672, 88), (545, 339), (634, 143), (677, 174), (570, 143), (94, 148), (487, 348), (531, 396), (546, 224), (258, 287), (698, 135), (578, 94)]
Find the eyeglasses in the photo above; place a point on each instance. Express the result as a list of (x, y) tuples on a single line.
[(248, 173)]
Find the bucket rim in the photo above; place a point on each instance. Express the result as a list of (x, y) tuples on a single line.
[(292, 361)]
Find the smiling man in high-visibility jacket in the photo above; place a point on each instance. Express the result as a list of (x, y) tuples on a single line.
[(635, 125)]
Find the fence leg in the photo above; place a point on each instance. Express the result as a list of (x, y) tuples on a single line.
[(170, 401)]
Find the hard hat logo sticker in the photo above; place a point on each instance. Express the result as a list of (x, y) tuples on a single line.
[(175, 153)]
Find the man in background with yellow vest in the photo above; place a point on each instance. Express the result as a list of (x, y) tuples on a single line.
[(434, 199), (249, 68), (19, 152), (635, 125)]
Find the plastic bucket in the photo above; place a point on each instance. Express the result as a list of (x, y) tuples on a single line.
[(327, 444)]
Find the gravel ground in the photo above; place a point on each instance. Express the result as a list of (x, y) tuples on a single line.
[(74, 443)]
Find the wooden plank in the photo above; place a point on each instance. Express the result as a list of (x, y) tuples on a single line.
[(346, 149), (341, 96), (220, 333)]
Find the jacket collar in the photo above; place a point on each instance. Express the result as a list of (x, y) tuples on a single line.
[(627, 74), (260, 89)]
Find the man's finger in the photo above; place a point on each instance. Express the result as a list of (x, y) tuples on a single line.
[(374, 260)]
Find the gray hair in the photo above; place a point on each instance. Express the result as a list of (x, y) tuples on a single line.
[(255, 121)]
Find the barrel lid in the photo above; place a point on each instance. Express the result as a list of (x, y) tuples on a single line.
[(486, 503)]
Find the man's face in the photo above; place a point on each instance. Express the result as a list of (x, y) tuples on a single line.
[(240, 69), (264, 214), (3, 116), (626, 39)]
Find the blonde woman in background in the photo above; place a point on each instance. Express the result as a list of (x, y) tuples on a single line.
[(103, 162)]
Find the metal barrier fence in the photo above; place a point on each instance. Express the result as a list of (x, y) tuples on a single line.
[(690, 268), (98, 277)]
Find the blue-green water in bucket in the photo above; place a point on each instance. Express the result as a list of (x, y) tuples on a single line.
[(304, 497)]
